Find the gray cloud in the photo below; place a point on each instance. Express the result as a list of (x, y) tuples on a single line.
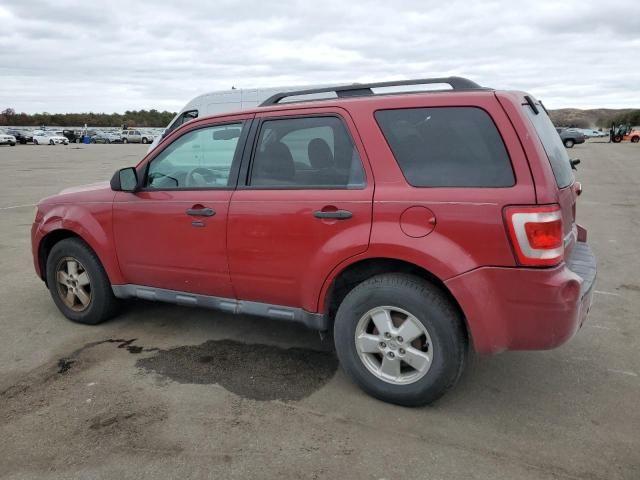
[(92, 56)]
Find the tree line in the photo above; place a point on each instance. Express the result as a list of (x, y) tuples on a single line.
[(629, 118), (131, 118)]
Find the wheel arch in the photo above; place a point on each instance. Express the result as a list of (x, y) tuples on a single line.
[(54, 235), (338, 287)]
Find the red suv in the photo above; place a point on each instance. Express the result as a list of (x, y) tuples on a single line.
[(415, 225)]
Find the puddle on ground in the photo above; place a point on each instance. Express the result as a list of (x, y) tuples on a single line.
[(255, 371)]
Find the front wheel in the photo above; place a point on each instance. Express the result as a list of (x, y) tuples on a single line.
[(145, 141), (35, 142), (78, 283), (124, 140), (569, 143), (617, 138), (635, 139), (400, 339)]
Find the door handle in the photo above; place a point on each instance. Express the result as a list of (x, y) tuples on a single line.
[(335, 215), (201, 212)]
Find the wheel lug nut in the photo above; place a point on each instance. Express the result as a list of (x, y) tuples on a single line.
[(383, 345), (387, 335), (400, 339), (392, 355), (401, 351)]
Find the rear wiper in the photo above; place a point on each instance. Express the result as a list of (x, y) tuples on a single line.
[(574, 163)]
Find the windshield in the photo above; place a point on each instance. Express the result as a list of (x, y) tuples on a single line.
[(558, 157)]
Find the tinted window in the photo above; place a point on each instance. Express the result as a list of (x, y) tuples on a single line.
[(552, 143), (305, 153), (447, 147), (198, 159)]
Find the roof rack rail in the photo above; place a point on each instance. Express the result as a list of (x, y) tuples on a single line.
[(364, 89)]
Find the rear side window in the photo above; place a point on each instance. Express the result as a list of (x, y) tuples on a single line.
[(552, 143), (306, 152), (447, 147)]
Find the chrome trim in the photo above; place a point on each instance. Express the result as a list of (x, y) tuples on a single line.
[(315, 321)]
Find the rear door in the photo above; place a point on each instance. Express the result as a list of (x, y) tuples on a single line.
[(302, 206)]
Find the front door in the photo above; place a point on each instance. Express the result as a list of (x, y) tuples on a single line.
[(172, 233), (303, 206)]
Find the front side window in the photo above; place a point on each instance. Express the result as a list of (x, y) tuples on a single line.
[(306, 152), (447, 147), (198, 159)]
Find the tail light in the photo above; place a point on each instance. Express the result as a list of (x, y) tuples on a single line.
[(536, 234)]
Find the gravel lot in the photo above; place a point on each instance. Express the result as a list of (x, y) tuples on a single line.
[(165, 391)]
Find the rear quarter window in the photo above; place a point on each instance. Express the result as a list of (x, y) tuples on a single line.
[(447, 147), (552, 143)]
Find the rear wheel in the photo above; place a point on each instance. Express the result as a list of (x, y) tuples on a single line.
[(635, 139), (144, 140), (617, 138), (569, 143), (78, 283), (124, 140), (400, 339), (35, 142)]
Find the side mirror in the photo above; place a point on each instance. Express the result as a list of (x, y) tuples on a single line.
[(125, 180)]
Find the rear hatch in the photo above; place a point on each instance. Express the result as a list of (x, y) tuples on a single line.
[(561, 166)]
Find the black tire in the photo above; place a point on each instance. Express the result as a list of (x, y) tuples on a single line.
[(569, 143), (430, 306), (93, 140), (51, 142), (12, 144), (144, 140), (124, 140), (108, 141), (35, 142), (617, 138), (103, 305), (635, 139)]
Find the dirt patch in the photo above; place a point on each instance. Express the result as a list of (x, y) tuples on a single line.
[(630, 286), (77, 413), (255, 371)]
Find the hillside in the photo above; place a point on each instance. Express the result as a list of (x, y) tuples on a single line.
[(593, 118)]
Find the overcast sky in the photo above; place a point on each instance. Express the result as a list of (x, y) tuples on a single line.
[(67, 56)]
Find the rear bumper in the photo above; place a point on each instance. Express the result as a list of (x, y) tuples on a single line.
[(526, 308)]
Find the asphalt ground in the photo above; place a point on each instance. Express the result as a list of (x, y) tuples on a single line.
[(165, 391)]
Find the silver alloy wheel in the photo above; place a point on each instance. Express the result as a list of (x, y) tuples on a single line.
[(73, 284), (394, 345)]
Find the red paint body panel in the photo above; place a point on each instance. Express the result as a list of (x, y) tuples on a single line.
[(536, 309), (158, 246), (85, 211)]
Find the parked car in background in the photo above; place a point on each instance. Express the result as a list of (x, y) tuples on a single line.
[(414, 225), (74, 136), (106, 137), (136, 136), (570, 136), (7, 139), (22, 137), (43, 137)]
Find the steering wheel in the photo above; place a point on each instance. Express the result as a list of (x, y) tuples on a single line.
[(204, 177)]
